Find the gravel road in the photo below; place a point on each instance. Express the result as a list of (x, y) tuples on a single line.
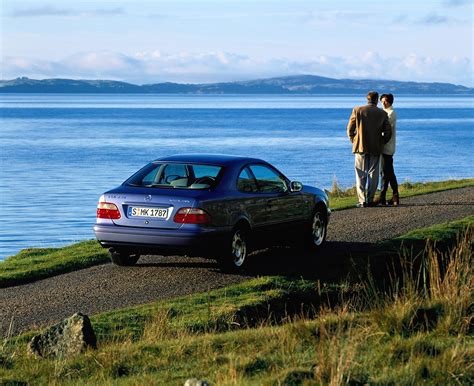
[(107, 287)]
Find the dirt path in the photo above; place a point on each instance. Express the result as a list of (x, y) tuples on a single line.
[(107, 287)]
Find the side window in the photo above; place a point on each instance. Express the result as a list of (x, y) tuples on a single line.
[(206, 171), (150, 178), (268, 180), (246, 182)]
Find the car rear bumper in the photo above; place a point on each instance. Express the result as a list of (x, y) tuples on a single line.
[(113, 235)]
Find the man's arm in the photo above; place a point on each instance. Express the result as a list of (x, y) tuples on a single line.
[(351, 126)]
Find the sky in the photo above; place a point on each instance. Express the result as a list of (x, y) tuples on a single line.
[(193, 41)]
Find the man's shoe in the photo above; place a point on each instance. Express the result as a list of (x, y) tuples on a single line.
[(372, 204), (361, 205)]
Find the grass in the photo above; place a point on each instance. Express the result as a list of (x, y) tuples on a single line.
[(415, 240), (346, 198), (289, 331), (38, 263)]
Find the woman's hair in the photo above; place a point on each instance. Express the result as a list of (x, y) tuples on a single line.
[(388, 97)]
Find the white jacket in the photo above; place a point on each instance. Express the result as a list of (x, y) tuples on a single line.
[(389, 147)]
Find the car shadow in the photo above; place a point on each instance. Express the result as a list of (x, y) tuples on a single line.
[(179, 263), (333, 262)]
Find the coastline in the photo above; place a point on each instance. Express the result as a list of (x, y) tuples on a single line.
[(340, 199), (39, 263)]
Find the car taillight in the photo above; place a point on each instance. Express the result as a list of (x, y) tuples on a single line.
[(107, 210), (192, 216)]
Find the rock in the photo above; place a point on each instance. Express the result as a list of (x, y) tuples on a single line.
[(67, 338), (196, 382)]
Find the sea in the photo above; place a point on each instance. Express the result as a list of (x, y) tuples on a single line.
[(60, 152)]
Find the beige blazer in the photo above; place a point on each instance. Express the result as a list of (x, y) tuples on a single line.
[(368, 129)]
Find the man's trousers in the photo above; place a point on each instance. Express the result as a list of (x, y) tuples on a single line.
[(367, 176)]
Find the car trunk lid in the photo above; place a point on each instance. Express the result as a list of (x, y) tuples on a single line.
[(150, 207)]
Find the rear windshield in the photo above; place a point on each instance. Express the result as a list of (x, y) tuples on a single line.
[(176, 175)]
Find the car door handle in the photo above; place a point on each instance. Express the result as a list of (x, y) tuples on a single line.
[(270, 203)]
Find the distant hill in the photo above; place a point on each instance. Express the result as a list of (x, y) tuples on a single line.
[(298, 84)]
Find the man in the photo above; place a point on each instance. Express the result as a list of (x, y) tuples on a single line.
[(388, 174), (368, 129)]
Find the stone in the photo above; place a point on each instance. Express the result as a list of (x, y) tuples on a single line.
[(65, 339), (196, 382)]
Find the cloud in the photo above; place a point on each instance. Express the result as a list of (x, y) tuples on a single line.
[(329, 18), (187, 67), (456, 3), (433, 19), (398, 19), (102, 62), (42, 11), (48, 10), (107, 12)]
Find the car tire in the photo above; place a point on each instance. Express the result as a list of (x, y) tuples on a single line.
[(123, 258), (316, 236), (235, 253)]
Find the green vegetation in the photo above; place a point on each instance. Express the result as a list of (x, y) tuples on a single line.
[(438, 233), (38, 263), (347, 198), (281, 330)]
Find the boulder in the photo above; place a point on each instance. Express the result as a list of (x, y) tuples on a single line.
[(65, 339)]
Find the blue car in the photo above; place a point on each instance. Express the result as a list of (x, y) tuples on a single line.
[(212, 205)]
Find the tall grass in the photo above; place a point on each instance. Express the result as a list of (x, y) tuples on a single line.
[(338, 347), (431, 290), (450, 282), (337, 191)]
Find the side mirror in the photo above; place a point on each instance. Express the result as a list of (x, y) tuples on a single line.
[(296, 186)]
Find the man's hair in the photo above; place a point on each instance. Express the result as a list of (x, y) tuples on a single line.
[(373, 96), (388, 97)]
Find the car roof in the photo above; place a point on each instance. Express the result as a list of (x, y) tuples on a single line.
[(213, 159)]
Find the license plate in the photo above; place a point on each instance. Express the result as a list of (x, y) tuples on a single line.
[(136, 211)]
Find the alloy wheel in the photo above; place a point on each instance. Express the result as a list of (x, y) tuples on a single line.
[(239, 248), (318, 229)]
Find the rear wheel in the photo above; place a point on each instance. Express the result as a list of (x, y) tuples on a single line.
[(123, 257), (318, 230), (236, 251)]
